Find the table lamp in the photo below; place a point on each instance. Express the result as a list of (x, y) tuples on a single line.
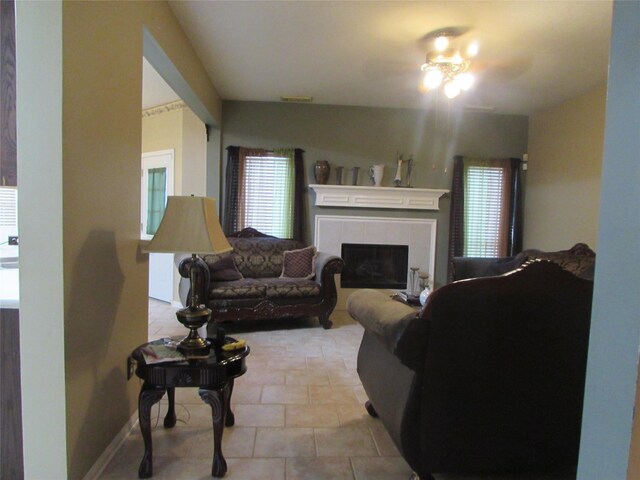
[(191, 225)]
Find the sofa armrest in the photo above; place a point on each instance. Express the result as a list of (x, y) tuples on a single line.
[(327, 266), (202, 280), (388, 319)]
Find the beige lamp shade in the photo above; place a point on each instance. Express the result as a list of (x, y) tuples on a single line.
[(189, 225)]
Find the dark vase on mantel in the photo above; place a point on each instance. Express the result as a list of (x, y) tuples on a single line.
[(321, 172)]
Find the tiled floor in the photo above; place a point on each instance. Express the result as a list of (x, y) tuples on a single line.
[(299, 412)]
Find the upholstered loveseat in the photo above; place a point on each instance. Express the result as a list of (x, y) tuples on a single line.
[(489, 375), (579, 260), (252, 281)]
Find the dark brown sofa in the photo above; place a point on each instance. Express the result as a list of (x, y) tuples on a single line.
[(487, 377), (261, 294)]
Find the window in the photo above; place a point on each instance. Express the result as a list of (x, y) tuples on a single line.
[(269, 186), (156, 186), (484, 207), (156, 198), (264, 190)]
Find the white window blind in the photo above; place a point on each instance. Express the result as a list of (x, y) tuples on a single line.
[(8, 207), (483, 204), (269, 186)]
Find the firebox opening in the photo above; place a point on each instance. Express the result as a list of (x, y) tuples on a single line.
[(374, 266)]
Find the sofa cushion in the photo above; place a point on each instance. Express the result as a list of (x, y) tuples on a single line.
[(299, 263), (245, 288), (261, 257), (224, 270), (290, 288)]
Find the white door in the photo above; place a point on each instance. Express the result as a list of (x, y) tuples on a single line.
[(157, 185)]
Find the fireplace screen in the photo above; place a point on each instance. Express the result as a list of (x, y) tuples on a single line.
[(374, 266)]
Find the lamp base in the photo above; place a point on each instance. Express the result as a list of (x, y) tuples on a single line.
[(193, 318)]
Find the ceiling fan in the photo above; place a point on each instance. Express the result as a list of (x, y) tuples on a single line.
[(448, 62), (452, 61)]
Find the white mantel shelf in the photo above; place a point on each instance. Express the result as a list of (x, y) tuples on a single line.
[(401, 198)]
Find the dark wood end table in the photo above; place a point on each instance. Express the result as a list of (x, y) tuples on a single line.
[(213, 375)]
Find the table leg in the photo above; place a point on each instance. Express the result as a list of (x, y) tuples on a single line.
[(149, 395), (231, 418), (218, 400), (170, 417)]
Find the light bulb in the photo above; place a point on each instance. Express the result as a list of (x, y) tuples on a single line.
[(451, 89), (464, 80), (432, 78), (473, 49), (441, 43)]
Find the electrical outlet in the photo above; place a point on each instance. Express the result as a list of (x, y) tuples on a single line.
[(13, 240), (131, 367)]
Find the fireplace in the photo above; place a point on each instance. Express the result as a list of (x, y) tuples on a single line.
[(374, 266), (332, 231)]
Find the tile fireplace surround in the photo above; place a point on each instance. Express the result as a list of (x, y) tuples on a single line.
[(331, 231)]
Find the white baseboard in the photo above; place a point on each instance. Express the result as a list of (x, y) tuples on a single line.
[(177, 304), (101, 463)]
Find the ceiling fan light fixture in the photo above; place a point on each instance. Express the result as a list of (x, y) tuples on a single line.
[(441, 42), (451, 90), (464, 80), (433, 78), (447, 65), (472, 49)]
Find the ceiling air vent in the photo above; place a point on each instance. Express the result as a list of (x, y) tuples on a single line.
[(296, 99)]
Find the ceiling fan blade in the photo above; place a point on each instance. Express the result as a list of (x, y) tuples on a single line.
[(452, 32), (383, 69)]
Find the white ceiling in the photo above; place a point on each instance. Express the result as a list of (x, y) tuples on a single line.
[(155, 91), (533, 54)]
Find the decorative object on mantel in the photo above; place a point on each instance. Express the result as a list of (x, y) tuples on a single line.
[(321, 171), (376, 172), (354, 175), (398, 180), (377, 197), (409, 168), (339, 175)]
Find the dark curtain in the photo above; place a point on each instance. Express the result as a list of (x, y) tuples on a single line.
[(233, 187), (298, 197), (515, 211), (230, 201), (456, 214)]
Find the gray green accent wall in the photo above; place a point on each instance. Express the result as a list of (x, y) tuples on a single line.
[(359, 136)]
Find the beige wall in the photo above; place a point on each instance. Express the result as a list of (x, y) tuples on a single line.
[(180, 130), (163, 131), (194, 152), (105, 274), (565, 166)]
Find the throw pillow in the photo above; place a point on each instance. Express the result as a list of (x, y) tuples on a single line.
[(224, 270), (299, 263)]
